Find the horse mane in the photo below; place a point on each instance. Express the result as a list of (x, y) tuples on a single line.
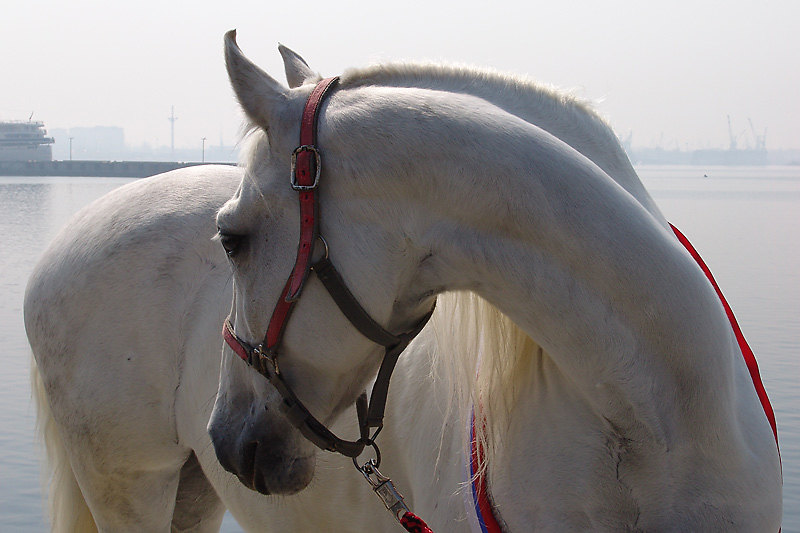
[(486, 359), (484, 82), (573, 120)]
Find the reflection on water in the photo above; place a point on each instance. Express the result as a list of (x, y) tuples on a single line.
[(742, 220), (32, 209)]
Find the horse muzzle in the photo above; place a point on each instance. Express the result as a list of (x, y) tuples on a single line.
[(264, 458)]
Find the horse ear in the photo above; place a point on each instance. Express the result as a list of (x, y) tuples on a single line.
[(297, 70), (258, 93)]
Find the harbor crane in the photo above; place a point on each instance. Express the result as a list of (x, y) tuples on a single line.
[(759, 140), (734, 138)]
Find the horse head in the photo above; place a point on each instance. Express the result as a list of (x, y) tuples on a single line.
[(322, 358)]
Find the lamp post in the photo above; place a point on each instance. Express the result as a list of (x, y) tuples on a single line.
[(203, 159), (172, 118), (70, 148)]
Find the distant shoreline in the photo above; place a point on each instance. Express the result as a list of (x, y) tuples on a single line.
[(112, 169)]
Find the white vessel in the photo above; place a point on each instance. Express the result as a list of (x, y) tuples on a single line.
[(25, 141)]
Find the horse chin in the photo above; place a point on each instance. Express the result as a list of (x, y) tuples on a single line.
[(276, 474)]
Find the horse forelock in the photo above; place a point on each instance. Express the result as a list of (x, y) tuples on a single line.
[(253, 142)]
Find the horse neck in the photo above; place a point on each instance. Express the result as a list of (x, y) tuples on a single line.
[(520, 218)]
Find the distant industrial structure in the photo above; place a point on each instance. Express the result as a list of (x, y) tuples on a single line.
[(752, 152), (172, 118), (755, 154), (89, 142), (108, 143)]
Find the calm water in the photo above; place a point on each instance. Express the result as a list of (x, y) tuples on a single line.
[(742, 220)]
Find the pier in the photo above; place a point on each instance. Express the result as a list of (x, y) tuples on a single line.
[(112, 169)]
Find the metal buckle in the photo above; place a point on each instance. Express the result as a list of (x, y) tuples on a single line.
[(318, 162), (264, 356)]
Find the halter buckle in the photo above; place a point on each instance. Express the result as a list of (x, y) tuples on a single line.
[(318, 164), (262, 357)]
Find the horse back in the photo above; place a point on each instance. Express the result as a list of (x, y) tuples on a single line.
[(112, 301)]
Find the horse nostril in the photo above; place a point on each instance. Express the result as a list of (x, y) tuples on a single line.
[(259, 483), (225, 453), (248, 465)]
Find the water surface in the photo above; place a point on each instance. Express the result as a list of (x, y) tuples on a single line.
[(742, 220)]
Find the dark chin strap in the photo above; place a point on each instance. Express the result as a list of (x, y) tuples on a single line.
[(306, 169), (370, 414)]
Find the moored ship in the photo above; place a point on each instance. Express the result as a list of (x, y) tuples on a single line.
[(25, 141)]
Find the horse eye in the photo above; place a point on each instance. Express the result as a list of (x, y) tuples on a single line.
[(232, 243)]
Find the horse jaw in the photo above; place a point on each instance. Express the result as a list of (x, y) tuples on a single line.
[(297, 70), (259, 94)]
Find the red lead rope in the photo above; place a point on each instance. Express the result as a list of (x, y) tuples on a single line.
[(747, 353), (415, 524), (482, 504)]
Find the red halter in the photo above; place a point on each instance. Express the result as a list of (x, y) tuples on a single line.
[(305, 177)]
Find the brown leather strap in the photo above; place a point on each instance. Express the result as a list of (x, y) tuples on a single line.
[(265, 362), (358, 317), (349, 306), (380, 390)]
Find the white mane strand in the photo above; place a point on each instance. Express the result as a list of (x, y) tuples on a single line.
[(486, 358)]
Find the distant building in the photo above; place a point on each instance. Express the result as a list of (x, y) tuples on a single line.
[(95, 142), (105, 143)]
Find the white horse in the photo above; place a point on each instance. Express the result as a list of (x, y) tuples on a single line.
[(612, 392)]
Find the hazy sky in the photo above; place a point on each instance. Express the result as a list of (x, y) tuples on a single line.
[(669, 72)]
